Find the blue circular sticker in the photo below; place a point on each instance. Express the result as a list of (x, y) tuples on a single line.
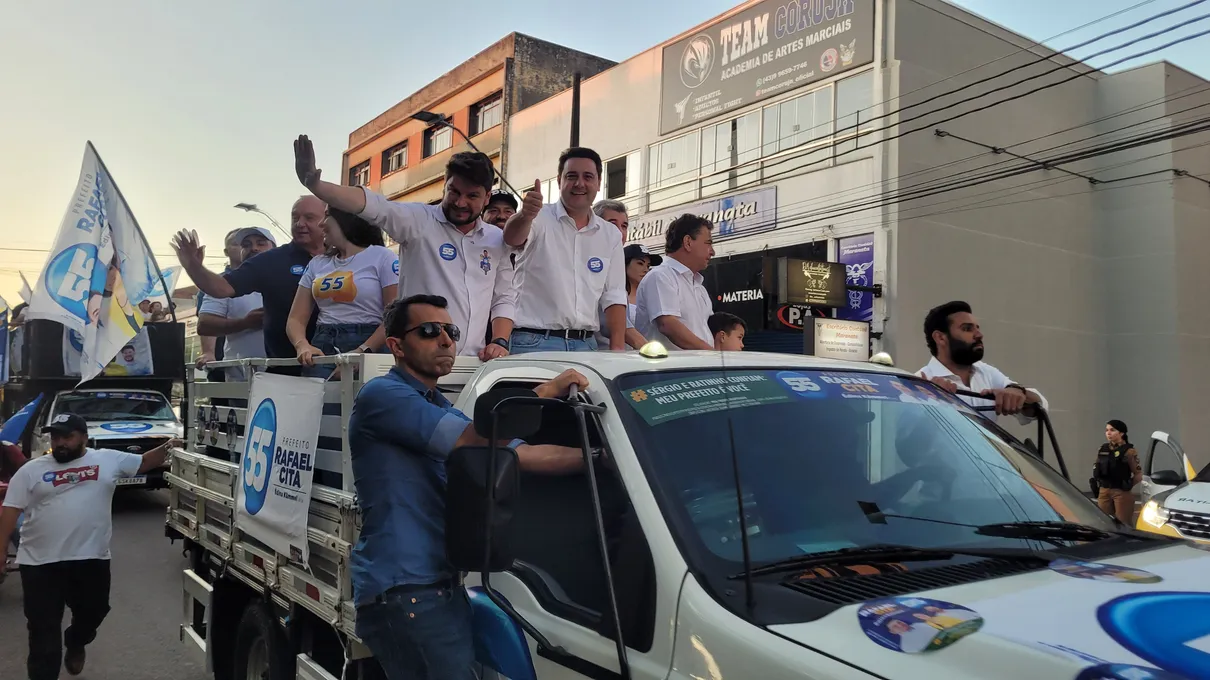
[(48, 477), (447, 251), (915, 624), (258, 456), (595, 265), (297, 270), (1097, 571), (126, 427), (801, 384), (1121, 671), (71, 276), (1166, 629), (395, 267)]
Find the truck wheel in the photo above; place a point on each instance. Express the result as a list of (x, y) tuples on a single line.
[(261, 652)]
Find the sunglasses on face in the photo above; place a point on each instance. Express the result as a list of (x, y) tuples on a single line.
[(431, 329)]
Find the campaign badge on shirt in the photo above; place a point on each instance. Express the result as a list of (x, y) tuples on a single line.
[(448, 252), (395, 267), (297, 270), (486, 262), (595, 265), (335, 286)]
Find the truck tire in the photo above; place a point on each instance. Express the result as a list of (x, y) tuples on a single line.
[(261, 652)]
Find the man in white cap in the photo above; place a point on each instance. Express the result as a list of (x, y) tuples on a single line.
[(238, 320)]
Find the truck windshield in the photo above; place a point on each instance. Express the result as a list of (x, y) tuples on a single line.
[(106, 406), (832, 460)]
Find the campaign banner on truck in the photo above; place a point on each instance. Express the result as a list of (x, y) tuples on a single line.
[(273, 497), (133, 359), (856, 253), (99, 270)]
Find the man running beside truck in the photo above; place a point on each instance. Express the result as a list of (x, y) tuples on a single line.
[(412, 611)]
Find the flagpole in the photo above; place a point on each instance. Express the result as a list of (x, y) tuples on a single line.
[(142, 236)]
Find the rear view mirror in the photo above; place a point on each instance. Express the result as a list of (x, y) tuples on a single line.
[(469, 480), (1167, 478), (514, 420)]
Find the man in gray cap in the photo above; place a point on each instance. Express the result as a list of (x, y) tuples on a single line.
[(67, 498), (238, 320)]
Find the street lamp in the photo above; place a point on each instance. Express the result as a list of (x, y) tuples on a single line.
[(438, 119), (251, 207)]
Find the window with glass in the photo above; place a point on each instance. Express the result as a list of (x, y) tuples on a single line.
[(673, 173), (621, 177), (395, 158), (437, 139), (487, 114), (730, 145), (854, 99), (108, 406), (359, 175)]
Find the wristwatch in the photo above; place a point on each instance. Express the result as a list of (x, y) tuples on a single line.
[(1020, 387), (501, 342)]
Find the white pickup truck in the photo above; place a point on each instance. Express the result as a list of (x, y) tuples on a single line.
[(744, 516)]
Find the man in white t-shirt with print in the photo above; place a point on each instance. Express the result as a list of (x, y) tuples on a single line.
[(571, 265), (238, 320), (67, 499), (673, 306), (445, 249)]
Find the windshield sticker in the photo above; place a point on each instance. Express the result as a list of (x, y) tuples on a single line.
[(1122, 671), (1097, 571), (667, 401), (126, 428), (915, 624)]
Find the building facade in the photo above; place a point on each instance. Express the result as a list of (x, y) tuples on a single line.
[(404, 159), (857, 132)]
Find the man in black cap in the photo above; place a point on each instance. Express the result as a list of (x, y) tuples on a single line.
[(500, 206), (64, 555)]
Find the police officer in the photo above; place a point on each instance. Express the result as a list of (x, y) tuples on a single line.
[(1116, 472)]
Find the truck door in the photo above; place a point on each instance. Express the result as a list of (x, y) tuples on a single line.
[(557, 582), (1164, 466)]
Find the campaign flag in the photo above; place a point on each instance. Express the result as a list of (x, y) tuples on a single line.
[(99, 270), (26, 293), (14, 428), (158, 293)]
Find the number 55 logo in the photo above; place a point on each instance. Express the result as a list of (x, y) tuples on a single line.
[(258, 456), (802, 385)]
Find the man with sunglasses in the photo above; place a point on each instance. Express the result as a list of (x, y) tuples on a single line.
[(412, 611)]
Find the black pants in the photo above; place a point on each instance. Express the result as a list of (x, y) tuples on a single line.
[(82, 586)]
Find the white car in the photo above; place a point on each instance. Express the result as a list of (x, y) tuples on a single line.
[(1175, 499)]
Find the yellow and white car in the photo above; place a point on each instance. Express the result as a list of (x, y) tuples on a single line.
[(1175, 497)]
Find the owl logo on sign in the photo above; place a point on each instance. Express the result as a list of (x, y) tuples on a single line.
[(697, 61), (847, 52)]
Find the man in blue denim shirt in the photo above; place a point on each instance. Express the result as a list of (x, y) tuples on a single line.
[(412, 611)]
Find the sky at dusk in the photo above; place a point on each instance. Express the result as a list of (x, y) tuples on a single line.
[(193, 106)]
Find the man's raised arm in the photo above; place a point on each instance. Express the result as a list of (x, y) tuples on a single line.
[(191, 254), (349, 199), (517, 228)]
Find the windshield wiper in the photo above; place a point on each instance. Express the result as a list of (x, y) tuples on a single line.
[(894, 553), (1049, 531)]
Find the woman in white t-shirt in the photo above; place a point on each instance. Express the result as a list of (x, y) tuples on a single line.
[(351, 284)]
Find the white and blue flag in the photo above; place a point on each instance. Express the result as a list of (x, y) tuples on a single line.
[(99, 270)]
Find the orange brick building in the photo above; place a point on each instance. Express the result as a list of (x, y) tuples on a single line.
[(404, 159)]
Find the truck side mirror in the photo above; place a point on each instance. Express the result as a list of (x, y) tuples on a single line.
[(1031, 447), (481, 489), (1167, 478)]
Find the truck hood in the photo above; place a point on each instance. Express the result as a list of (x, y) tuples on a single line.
[(1189, 497), (1080, 620), (133, 429)]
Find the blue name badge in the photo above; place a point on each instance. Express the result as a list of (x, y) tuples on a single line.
[(447, 251), (595, 265), (297, 270)]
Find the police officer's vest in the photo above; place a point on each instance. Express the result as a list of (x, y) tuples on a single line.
[(1112, 470)]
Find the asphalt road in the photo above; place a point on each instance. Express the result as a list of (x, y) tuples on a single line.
[(139, 640)]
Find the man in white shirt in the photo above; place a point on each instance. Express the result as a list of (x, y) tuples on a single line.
[(67, 498), (673, 306), (445, 249), (956, 343), (571, 265), (238, 320)]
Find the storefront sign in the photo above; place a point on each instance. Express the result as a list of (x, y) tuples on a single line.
[(816, 283), (766, 50), (792, 317), (274, 490), (856, 253), (736, 215), (838, 339)]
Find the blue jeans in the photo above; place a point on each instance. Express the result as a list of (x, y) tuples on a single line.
[(332, 339), (522, 342), (420, 633)]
